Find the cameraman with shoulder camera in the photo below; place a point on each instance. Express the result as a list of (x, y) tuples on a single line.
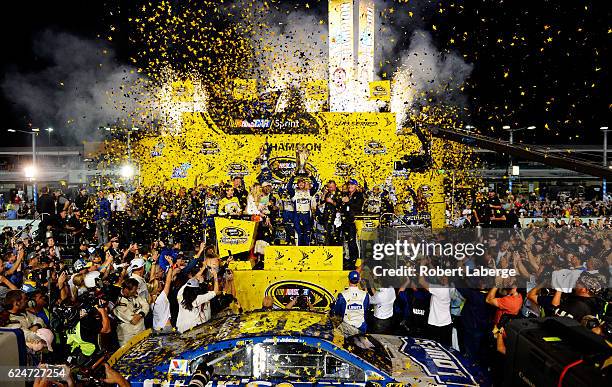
[(84, 338), (130, 311)]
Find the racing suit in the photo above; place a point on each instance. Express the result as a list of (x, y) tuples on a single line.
[(302, 199), (352, 305), (126, 308)]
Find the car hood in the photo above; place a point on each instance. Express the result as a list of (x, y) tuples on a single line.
[(423, 362)]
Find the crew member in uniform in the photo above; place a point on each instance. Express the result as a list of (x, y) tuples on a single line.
[(352, 305), (302, 198), (331, 217)]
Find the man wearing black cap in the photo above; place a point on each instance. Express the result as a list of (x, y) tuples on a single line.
[(352, 204), (302, 198)]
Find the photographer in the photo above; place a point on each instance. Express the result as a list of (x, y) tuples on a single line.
[(130, 311), (582, 302), (83, 339), (15, 303)]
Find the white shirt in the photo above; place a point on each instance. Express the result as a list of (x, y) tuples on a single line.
[(161, 311), (565, 279), (383, 303), (199, 313), (119, 202), (439, 307)]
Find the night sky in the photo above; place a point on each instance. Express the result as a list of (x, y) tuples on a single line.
[(543, 63)]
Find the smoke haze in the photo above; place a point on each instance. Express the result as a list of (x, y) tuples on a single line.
[(81, 88)]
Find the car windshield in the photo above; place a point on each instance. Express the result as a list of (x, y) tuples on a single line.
[(284, 360), (370, 350)]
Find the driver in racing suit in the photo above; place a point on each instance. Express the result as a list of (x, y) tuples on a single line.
[(302, 198)]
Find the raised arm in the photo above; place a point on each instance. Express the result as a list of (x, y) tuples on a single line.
[(314, 186), (290, 189)]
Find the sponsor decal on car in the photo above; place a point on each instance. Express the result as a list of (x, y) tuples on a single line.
[(283, 292), (179, 367)]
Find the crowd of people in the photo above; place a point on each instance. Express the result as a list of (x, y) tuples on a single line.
[(296, 213), (490, 210), (103, 268)]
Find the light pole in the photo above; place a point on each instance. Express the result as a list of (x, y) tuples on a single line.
[(49, 130), (512, 130), (604, 188), (32, 172)]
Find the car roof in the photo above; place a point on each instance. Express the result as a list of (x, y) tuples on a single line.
[(265, 323)]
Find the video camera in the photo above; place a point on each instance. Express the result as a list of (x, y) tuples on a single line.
[(551, 351)]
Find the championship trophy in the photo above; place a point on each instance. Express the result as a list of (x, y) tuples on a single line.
[(301, 158)]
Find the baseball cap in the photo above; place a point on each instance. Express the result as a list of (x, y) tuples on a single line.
[(193, 283), (266, 184), (136, 263), (79, 265), (353, 182), (354, 277), (47, 336), (590, 282)]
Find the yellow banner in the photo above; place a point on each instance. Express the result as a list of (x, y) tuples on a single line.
[(348, 145), (182, 91), (245, 89), (380, 90), (316, 90), (303, 258), (320, 287), (235, 236)]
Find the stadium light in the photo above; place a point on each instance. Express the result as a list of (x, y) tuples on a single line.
[(30, 172), (11, 130), (49, 130), (506, 127), (35, 130), (127, 171)]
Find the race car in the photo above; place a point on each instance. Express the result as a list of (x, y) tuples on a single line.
[(289, 348)]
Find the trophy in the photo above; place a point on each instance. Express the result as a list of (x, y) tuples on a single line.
[(301, 158)]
